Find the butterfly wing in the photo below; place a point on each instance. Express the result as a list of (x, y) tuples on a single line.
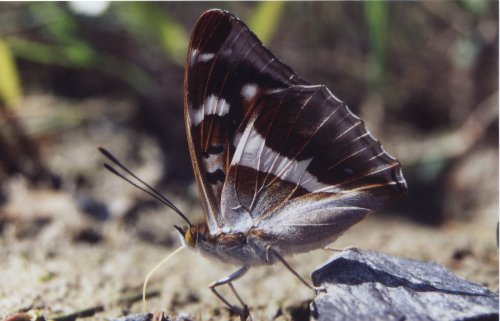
[(306, 169), (227, 69)]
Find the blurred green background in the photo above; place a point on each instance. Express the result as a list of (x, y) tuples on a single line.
[(423, 75)]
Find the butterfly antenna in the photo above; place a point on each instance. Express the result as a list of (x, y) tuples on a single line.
[(148, 189)]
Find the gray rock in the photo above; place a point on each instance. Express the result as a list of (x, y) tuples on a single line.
[(364, 285)]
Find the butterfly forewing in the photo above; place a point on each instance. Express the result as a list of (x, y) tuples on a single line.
[(227, 70)]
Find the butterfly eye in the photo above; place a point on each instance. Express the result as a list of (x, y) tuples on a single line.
[(190, 238)]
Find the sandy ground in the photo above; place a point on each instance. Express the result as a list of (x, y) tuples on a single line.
[(44, 268)]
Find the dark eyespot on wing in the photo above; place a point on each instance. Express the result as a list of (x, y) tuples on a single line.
[(215, 177), (213, 150)]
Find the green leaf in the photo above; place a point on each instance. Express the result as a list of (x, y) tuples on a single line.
[(148, 20), (174, 39), (57, 21), (376, 20), (265, 19), (65, 31), (476, 6), (75, 57), (10, 88)]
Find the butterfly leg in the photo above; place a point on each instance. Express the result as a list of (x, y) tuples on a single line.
[(271, 251), (347, 248), (243, 312)]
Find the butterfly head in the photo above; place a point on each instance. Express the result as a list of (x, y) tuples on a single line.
[(193, 235)]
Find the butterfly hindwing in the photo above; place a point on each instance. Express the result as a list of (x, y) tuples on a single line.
[(227, 69), (306, 169)]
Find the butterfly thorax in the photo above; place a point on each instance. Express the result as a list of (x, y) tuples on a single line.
[(236, 248)]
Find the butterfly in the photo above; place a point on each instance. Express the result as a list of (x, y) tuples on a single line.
[(282, 166)]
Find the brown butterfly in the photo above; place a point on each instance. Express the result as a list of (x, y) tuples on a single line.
[(282, 166)]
